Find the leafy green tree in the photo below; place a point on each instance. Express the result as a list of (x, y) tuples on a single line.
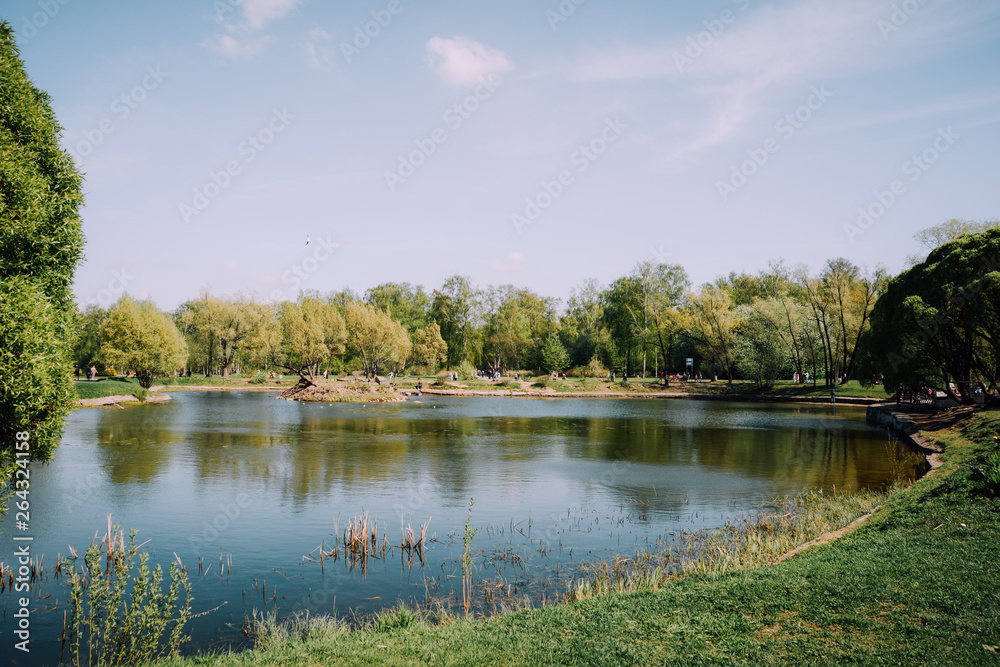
[(582, 320), (41, 243), (624, 317), (840, 302), (939, 322), (760, 355), (429, 348), (554, 356), (664, 287), (517, 324), (137, 337), (713, 323), (455, 308), (379, 339), (227, 327), (312, 331), (87, 346), (949, 230), (403, 302)]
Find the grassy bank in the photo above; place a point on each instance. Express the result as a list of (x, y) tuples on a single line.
[(916, 584), (116, 386)]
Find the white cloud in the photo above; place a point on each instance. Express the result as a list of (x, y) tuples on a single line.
[(763, 46), (463, 62), (510, 264), (763, 51), (319, 52), (234, 49), (258, 13)]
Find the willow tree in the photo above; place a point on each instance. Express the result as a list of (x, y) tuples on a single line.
[(430, 348), (137, 337), (377, 338), (312, 331), (41, 243), (713, 323)]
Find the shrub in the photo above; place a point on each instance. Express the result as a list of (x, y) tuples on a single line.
[(259, 378), (596, 369), (141, 393), (541, 381), (118, 628), (443, 377), (466, 371)]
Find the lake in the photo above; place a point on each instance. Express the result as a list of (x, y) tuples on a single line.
[(557, 482)]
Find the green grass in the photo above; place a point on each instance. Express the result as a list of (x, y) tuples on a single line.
[(919, 583), (852, 389), (117, 386), (219, 381)]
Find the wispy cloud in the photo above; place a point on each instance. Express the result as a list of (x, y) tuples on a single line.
[(258, 13), (463, 62), (320, 53), (232, 48), (763, 46), (768, 51), (512, 263), (254, 16)]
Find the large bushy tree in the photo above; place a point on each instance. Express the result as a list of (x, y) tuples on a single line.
[(378, 339), (312, 331), (136, 336), (939, 322), (40, 244)]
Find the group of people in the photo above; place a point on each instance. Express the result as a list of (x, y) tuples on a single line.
[(91, 372)]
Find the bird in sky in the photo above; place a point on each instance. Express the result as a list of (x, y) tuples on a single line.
[(307, 239)]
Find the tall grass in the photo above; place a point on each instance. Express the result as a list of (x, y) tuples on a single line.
[(470, 533), (111, 625), (754, 541)]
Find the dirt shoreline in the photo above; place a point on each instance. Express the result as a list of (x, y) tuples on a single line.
[(509, 393), (746, 398), (115, 400)]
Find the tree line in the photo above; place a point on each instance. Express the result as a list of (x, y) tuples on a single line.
[(829, 327), (647, 323)]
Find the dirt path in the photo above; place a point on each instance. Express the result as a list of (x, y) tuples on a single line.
[(116, 400), (919, 420), (826, 537)]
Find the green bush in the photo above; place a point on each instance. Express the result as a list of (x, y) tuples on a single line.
[(141, 393), (259, 378), (466, 371), (115, 627)]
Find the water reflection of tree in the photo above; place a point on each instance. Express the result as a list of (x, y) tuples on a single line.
[(134, 445), (356, 452)]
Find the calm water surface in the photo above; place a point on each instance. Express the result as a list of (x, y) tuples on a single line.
[(556, 483)]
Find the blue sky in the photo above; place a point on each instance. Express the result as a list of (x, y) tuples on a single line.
[(534, 143)]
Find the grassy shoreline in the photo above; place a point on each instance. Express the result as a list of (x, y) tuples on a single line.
[(916, 584), (852, 393)]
